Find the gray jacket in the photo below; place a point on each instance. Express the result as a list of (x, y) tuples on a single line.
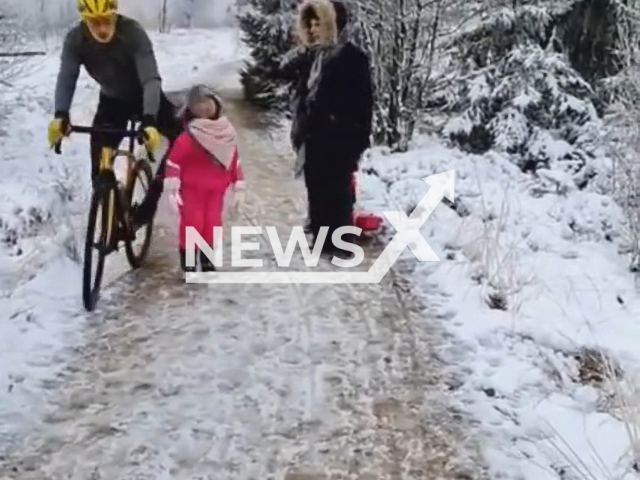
[(125, 68)]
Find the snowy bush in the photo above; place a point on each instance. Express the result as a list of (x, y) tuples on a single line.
[(496, 254), (520, 97)]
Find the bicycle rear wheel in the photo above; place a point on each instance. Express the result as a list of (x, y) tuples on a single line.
[(137, 246), (96, 243)]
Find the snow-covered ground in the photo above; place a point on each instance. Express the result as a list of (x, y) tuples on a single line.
[(43, 204), (227, 382), (548, 251), (555, 258)]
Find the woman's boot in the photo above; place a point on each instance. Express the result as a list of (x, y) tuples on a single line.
[(183, 262)]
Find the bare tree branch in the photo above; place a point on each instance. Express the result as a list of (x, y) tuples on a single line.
[(21, 54)]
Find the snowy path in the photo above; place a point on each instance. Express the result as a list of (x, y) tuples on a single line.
[(177, 381)]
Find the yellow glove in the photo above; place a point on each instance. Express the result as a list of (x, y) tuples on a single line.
[(57, 130), (151, 139)]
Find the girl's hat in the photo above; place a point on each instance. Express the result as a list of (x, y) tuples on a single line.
[(202, 102)]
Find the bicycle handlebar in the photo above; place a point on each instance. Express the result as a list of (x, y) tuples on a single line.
[(125, 133)]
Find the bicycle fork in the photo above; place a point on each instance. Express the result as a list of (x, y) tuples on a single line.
[(106, 165), (120, 204)]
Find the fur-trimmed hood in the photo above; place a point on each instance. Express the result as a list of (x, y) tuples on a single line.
[(326, 16)]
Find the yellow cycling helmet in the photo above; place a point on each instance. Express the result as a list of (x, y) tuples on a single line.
[(97, 8)]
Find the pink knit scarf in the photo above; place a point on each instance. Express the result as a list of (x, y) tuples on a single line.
[(218, 137)]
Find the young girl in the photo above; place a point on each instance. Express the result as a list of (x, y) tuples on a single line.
[(202, 165)]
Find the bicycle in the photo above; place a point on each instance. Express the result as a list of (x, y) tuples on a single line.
[(114, 200)]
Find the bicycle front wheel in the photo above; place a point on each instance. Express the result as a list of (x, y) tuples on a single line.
[(99, 229), (137, 246)]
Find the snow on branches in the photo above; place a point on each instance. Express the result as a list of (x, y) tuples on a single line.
[(513, 93), (267, 29)]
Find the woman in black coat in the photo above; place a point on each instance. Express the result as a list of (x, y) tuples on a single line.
[(338, 113), (296, 67)]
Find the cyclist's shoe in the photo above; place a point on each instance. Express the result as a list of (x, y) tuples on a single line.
[(136, 216), (120, 235), (117, 237), (146, 210), (143, 213), (183, 262)]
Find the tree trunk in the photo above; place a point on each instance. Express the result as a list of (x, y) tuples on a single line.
[(589, 35), (163, 17)]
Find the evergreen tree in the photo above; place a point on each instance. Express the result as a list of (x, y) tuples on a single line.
[(515, 90), (267, 27)]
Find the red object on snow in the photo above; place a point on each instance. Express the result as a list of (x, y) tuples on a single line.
[(367, 221)]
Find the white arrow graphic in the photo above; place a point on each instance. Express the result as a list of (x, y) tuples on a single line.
[(407, 235)]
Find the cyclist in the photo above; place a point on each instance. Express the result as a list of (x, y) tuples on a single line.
[(117, 53)]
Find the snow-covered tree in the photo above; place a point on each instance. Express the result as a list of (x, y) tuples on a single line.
[(189, 9), (164, 17), (617, 78), (590, 32), (514, 90), (267, 29)]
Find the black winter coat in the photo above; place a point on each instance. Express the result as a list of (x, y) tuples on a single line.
[(295, 68), (340, 115)]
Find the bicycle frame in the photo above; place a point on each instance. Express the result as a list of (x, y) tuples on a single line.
[(108, 156)]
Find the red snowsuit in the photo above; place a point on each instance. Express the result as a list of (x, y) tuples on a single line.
[(205, 160)]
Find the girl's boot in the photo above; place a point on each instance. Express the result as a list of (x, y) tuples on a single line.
[(205, 264), (183, 262)]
